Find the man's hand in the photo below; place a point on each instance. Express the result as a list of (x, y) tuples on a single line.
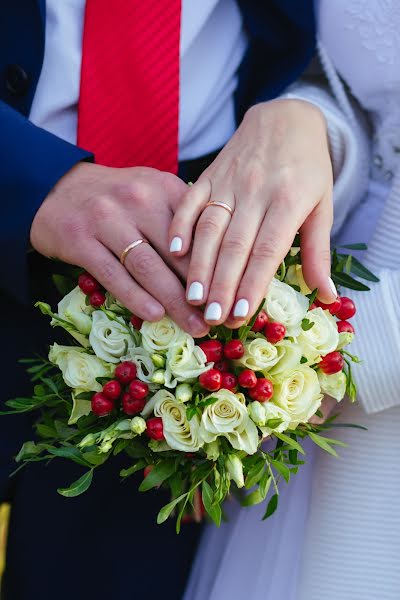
[(95, 212), (276, 174)]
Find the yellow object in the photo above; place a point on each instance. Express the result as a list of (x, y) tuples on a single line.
[(4, 517)]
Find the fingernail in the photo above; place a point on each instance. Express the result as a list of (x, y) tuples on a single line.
[(195, 291), (241, 309), (333, 287), (176, 245), (213, 312), (197, 326)]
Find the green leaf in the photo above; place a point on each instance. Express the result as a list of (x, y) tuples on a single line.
[(271, 507), (323, 443), (168, 508), (282, 469), (28, 449), (133, 469), (355, 246), (306, 324), (255, 473), (349, 282), (212, 508), (63, 284), (289, 441), (70, 452), (311, 297), (80, 408), (78, 487), (157, 475), (254, 498), (45, 431), (274, 423), (358, 269), (265, 484)]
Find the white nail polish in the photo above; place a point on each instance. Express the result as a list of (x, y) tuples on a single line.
[(195, 291), (176, 245), (333, 287), (241, 309), (213, 312)]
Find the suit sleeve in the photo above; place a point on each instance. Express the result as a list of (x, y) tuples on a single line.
[(32, 160)]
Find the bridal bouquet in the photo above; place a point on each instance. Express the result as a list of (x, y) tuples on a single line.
[(192, 415)]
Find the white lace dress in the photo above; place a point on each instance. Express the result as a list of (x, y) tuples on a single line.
[(337, 533)]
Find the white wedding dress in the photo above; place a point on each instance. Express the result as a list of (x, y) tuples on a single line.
[(337, 534)]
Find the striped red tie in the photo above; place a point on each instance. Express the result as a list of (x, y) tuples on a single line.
[(129, 97)]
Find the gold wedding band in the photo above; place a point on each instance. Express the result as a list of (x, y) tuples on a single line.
[(221, 204), (125, 253)]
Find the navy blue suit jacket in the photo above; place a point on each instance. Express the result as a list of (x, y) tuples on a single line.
[(109, 529)]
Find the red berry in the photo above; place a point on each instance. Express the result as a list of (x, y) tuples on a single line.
[(88, 283), (137, 322), (138, 390), (274, 332), (260, 322), (101, 405), (112, 389), (212, 349), (263, 390), (313, 306), (247, 379), (155, 430), (222, 365), (97, 299), (233, 349), (126, 372), (211, 380), (229, 381), (333, 307), (347, 310), (332, 363), (132, 406), (345, 327)]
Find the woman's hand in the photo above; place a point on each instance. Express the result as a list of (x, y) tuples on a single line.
[(276, 175)]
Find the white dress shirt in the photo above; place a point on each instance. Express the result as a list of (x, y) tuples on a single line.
[(213, 43)]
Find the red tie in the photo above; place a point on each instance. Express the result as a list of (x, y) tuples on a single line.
[(129, 96)]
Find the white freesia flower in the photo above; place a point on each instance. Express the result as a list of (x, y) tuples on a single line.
[(79, 369), (73, 308), (294, 276), (345, 338), (289, 357), (272, 412), (162, 335), (257, 413), (259, 355), (185, 362), (180, 434), (321, 338), (228, 417), (234, 467), (138, 425), (333, 385), (284, 305), (183, 392), (299, 394), (212, 450), (109, 339), (144, 364)]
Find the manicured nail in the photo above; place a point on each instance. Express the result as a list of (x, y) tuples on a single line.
[(197, 326), (195, 291), (333, 287), (213, 312), (241, 309), (176, 245)]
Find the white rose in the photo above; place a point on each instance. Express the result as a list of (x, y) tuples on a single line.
[(185, 362), (144, 364), (160, 336), (321, 338), (73, 309), (180, 434), (294, 276), (289, 357), (228, 417), (333, 385), (79, 369), (284, 305), (299, 394), (259, 355), (109, 339)]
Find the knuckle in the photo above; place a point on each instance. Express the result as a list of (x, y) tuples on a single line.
[(106, 273), (102, 207), (141, 262), (235, 245), (208, 226), (284, 194), (174, 300), (265, 249), (255, 177)]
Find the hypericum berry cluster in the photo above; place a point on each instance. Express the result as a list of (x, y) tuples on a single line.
[(343, 308), (130, 392), (273, 331), (92, 288), (221, 376)]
